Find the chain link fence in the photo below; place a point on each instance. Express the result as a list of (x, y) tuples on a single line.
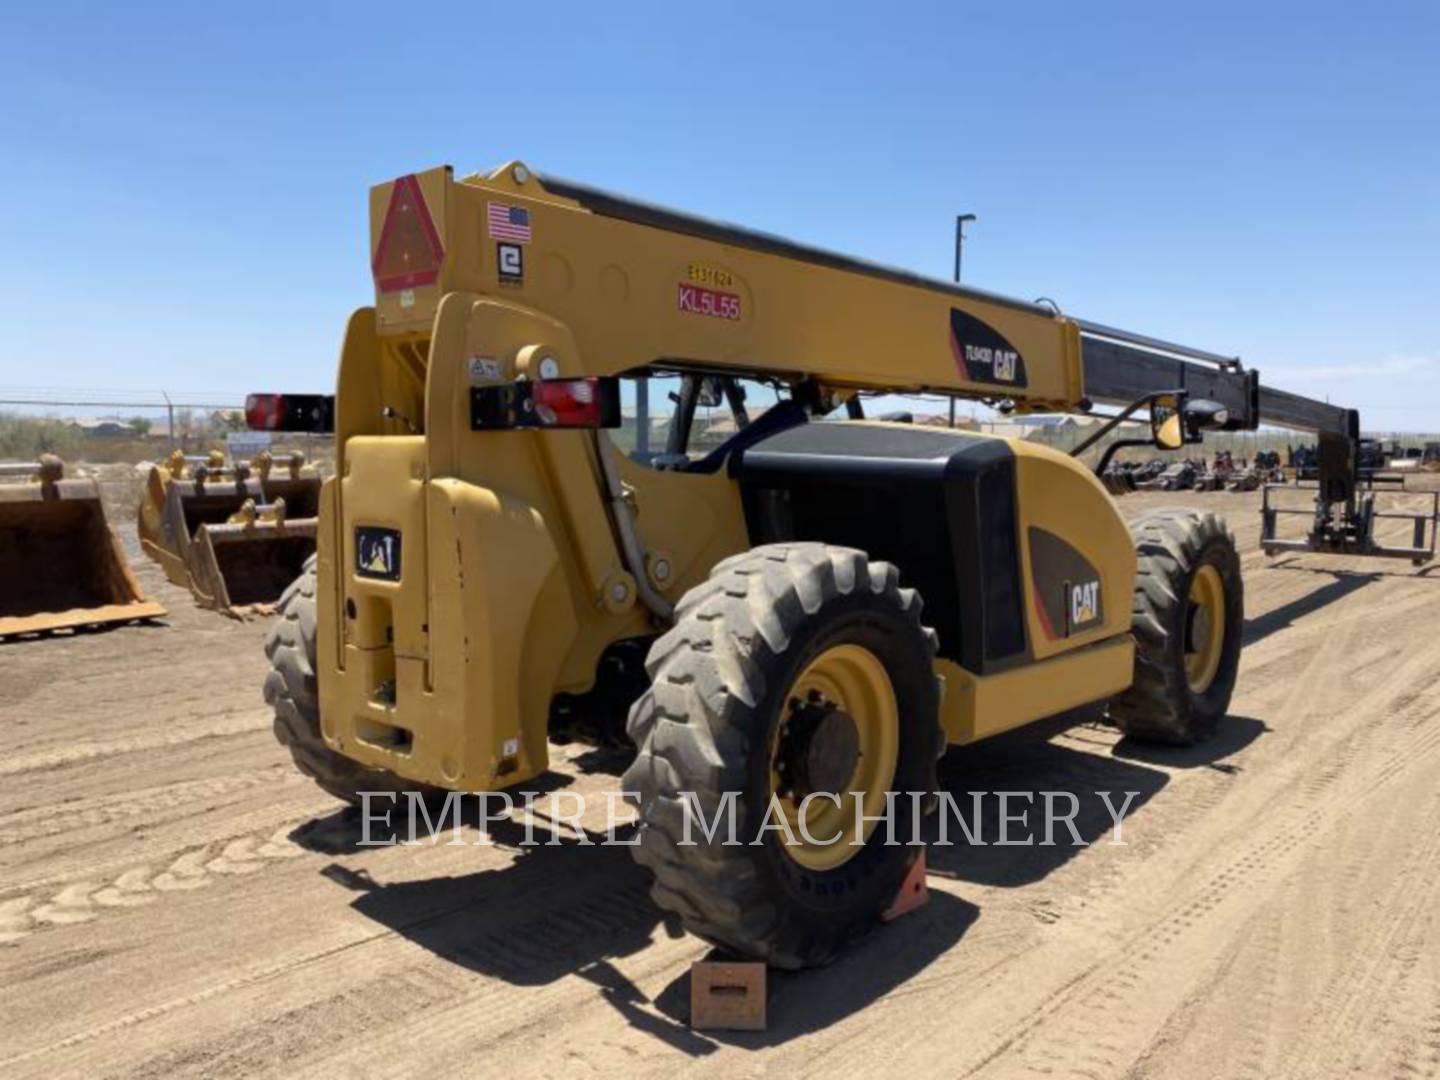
[(108, 426), (112, 427)]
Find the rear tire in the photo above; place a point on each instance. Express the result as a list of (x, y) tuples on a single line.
[(720, 707), (1186, 560), (290, 690)]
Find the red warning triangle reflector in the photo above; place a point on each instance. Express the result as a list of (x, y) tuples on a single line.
[(409, 252)]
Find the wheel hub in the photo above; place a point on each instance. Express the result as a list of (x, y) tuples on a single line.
[(820, 747), (1204, 628), (837, 733)]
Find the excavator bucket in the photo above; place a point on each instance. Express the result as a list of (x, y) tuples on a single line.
[(61, 566), (235, 536)]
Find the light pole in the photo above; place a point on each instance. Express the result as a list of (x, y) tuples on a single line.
[(960, 220)]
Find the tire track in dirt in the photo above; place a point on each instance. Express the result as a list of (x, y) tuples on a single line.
[(531, 952), (247, 721), (1328, 1018), (1173, 821), (1385, 953), (27, 826), (1060, 1037), (82, 901)]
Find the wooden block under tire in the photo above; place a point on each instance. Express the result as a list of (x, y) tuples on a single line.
[(727, 996)]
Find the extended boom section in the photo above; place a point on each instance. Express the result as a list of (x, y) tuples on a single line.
[(1120, 367)]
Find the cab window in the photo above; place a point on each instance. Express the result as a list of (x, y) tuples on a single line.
[(669, 420)]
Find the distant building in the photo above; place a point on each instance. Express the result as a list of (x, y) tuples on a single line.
[(1040, 428), (941, 420), (104, 428)]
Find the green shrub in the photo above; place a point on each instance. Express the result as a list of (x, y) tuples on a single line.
[(25, 438)]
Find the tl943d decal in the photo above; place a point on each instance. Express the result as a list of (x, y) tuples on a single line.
[(982, 354)]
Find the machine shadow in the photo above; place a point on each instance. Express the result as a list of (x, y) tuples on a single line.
[(1425, 572), (1284, 616), (344, 830), (1028, 765), (800, 1002), (573, 909), (552, 910), (1012, 772), (1234, 734)]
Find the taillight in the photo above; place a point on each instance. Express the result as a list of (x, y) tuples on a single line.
[(264, 412), (568, 403), (314, 413), (591, 402)]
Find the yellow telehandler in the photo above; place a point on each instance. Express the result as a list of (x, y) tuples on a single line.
[(788, 613)]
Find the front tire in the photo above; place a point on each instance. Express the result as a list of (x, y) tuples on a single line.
[(1188, 619), (797, 668)]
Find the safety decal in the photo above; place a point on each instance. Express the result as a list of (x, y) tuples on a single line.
[(485, 369), (409, 253)]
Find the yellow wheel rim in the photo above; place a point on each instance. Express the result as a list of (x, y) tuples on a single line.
[(1205, 628), (844, 681)]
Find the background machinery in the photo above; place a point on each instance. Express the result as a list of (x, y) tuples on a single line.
[(63, 565), (798, 617), (1343, 474), (234, 534)]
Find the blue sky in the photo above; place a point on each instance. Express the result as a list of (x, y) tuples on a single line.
[(183, 202)]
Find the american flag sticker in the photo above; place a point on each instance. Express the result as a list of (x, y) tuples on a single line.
[(508, 222)]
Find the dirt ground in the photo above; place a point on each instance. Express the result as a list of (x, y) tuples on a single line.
[(176, 901)]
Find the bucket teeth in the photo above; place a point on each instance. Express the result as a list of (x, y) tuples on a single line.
[(234, 535)]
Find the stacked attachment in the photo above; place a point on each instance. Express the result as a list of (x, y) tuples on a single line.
[(61, 566), (234, 535)]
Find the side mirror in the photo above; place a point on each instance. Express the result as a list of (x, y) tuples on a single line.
[(711, 394), (1166, 429)]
